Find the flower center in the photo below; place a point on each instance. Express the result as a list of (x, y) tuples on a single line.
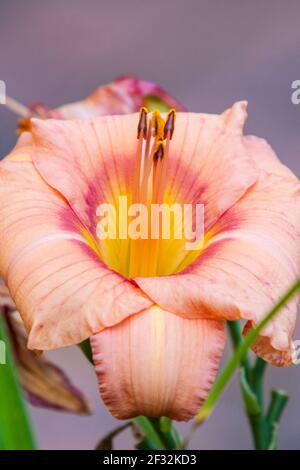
[(148, 227)]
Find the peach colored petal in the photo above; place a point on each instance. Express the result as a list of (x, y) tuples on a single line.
[(157, 364), (123, 96), (264, 349), (88, 161), (252, 257), (62, 290), (5, 298)]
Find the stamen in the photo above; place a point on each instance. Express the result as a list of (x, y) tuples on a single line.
[(170, 124), (149, 184), (168, 134), (155, 133), (143, 124), (158, 124), (159, 150), (160, 130)]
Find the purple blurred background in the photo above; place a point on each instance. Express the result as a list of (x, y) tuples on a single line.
[(207, 53)]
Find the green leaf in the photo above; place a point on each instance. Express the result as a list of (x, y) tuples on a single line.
[(239, 356), (250, 399), (15, 428)]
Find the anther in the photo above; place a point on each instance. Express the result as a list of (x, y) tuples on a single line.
[(157, 124), (159, 150), (170, 124), (142, 125)]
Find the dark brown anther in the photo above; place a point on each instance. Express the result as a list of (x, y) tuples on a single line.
[(170, 124), (142, 125), (159, 151)]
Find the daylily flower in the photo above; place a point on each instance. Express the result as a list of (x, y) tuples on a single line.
[(154, 312)]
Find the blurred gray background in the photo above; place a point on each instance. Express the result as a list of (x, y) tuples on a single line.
[(207, 53)]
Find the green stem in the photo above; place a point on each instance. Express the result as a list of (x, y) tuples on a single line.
[(279, 400), (237, 338), (149, 430), (258, 430), (168, 433), (257, 377)]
